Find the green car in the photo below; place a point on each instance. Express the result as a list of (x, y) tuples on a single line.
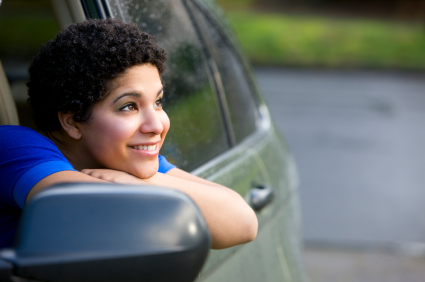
[(222, 131)]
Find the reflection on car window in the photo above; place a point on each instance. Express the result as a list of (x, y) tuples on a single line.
[(240, 99), (197, 132)]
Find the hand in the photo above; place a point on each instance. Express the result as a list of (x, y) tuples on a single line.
[(114, 176)]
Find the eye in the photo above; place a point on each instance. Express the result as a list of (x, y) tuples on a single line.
[(129, 107), (158, 102)]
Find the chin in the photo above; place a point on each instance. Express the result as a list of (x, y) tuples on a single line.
[(147, 171)]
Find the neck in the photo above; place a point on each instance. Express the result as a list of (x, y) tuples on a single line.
[(72, 149)]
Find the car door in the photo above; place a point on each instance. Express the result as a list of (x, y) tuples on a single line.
[(279, 237)]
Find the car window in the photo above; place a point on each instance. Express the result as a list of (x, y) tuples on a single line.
[(240, 99), (197, 132)]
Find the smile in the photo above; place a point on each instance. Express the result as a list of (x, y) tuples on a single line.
[(144, 147)]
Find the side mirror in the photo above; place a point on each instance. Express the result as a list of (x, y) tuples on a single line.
[(109, 232)]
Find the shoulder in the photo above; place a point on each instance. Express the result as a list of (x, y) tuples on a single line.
[(19, 140), (15, 129), (13, 135), (25, 158)]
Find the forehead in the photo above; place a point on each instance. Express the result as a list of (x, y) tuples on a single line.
[(144, 78)]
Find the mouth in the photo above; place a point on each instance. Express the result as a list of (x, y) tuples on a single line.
[(145, 147)]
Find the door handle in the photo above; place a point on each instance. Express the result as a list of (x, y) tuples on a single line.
[(261, 196)]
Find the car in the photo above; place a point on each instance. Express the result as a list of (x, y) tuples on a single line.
[(221, 131)]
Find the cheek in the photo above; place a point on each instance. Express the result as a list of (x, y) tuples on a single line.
[(113, 130), (108, 138)]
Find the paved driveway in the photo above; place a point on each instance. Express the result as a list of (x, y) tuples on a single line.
[(359, 141)]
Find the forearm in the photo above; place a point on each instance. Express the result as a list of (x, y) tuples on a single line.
[(176, 172), (229, 218), (61, 177)]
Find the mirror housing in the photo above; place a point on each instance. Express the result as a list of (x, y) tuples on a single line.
[(109, 232)]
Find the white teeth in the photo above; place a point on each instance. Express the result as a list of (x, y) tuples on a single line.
[(145, 147)]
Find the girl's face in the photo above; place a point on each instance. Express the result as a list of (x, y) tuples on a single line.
[(127, 128)]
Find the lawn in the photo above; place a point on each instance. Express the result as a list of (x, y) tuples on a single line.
[(314, 41)]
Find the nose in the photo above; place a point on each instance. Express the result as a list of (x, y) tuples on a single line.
[(151, 121)]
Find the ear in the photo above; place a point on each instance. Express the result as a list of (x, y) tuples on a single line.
[(69, 124)]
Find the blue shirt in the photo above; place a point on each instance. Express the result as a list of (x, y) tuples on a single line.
[(26, 157)]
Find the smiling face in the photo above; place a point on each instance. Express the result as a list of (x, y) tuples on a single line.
[(127, 128)]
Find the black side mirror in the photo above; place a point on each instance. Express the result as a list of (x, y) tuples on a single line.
[(109, 232)]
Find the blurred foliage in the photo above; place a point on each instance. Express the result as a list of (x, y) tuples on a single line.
[(24, 26), (409, 10), (319, 41), (237, 4), (268, 38)]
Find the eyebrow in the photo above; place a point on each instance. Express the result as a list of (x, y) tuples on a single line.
[(134, 94)]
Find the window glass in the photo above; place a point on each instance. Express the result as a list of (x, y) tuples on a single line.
[(197, 133), (240, 99)]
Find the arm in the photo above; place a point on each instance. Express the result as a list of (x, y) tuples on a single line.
[(176, 172), (229, 218), (60, 177)]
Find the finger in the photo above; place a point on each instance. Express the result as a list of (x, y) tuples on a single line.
[(95, 174), (86, 171)]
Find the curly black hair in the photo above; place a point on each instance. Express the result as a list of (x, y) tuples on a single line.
[(72, 71)]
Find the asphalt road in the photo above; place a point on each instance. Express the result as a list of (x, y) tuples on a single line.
[(358, 139)]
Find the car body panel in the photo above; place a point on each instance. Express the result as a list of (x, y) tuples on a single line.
[(275, 255)]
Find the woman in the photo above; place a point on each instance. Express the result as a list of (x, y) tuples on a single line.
[(96, 94)]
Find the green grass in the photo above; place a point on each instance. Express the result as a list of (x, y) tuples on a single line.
[(277, 39)]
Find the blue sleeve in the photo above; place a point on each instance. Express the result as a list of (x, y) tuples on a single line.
[(26, 157), (164, 165)]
